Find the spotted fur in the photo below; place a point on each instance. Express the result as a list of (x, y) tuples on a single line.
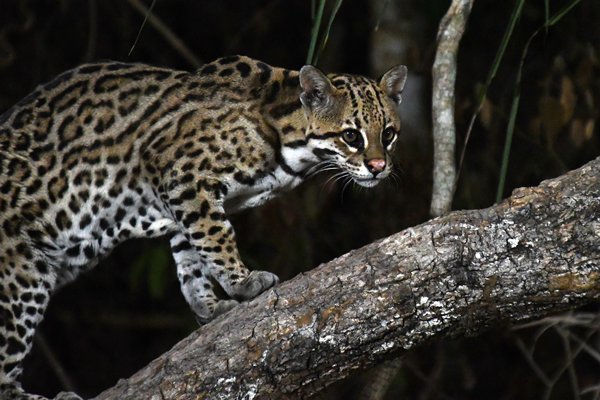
[(112, 151)]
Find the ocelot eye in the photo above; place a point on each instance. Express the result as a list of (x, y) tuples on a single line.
[(388, 135), (352, 137)]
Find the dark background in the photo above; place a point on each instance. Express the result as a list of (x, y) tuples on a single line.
[(115, 319)]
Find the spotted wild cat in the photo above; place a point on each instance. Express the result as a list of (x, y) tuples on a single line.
[(111, 151)]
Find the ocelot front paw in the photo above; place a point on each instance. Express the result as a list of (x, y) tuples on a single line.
[(254, 284)]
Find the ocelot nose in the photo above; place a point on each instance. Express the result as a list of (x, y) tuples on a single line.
[(375, 165)]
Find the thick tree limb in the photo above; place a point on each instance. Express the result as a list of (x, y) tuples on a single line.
[(535, 253), (450, 32)]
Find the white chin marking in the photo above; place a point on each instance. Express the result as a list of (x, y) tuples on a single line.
[(367, 182)]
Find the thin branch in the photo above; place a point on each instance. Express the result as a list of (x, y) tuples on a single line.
[(563, 326), (380, 380), (57, 367), (92, 31), (167, 33), (528, 354), (450, 32)]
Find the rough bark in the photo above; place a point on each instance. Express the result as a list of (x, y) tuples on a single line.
[(450, 32), (533, 254)]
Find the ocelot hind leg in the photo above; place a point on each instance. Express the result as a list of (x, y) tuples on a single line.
[(25, 288)]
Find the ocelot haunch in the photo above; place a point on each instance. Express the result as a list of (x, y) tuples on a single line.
[(111, 151)]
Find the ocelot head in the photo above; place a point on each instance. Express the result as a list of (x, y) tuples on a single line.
[(353, 121)]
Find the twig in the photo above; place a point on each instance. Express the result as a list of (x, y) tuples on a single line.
[(92, 31), (569, 365), (532, 363), (380, 380), (167, 33), (570, 319), (55, 363), (137, 37), (563, 327), (450, 32)]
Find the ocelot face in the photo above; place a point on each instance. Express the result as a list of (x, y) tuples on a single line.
[(353, 121)]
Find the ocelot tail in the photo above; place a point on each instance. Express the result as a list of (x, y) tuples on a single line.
[(111, 151)]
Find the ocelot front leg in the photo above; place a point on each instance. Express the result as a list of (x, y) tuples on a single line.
[(196, 286), (210, 251)]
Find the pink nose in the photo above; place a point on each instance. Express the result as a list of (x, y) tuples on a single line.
[(376, 165)]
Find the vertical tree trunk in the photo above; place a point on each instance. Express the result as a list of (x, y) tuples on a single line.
[(451, 30)]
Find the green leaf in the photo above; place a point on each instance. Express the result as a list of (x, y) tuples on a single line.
[(151, 269), (517, 95), (334, 12), (514, 17), (315, 32), (158, 262), (546, 13), (508, 139), (558, 16)]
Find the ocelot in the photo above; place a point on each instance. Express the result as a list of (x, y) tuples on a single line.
[(111, 151)]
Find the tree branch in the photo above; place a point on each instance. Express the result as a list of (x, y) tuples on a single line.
[(450, 32), (533, 254)]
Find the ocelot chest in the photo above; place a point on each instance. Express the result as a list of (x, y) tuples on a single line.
[(264, 188)]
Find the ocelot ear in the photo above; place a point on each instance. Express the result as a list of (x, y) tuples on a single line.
[(392, 82), (317, 90)]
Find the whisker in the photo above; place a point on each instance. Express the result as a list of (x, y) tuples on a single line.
[(318, 165), (315, 168), (350, 180), (334, 178), (361, 189), (396, 167), (395, 179), (323, 170), (339, 177), (322, 166)]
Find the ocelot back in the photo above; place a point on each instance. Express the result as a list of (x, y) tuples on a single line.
[(111, 151)]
